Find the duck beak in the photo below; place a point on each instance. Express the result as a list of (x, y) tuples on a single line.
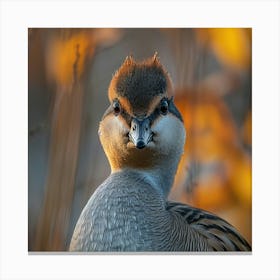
[(140, 132)]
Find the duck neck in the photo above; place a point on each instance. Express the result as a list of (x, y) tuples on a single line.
[(160, 176)]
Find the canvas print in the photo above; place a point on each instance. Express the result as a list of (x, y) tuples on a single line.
[(139, 140)]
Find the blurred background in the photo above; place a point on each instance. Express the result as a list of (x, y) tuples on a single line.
[(69, 71)]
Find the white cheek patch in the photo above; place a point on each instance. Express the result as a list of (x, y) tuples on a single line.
[(170, 133), (112, 132), (113, 127), (118, 126)]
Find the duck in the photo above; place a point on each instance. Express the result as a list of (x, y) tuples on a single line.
[(143, 136)]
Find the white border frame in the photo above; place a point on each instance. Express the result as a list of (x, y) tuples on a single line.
[(17, 16)]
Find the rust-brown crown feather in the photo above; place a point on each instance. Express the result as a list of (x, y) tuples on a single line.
[(138, 83)]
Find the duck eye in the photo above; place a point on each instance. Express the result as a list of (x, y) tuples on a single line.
[(116, 107), (164, 107)]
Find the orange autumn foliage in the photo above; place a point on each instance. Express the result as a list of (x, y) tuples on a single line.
[(223, 177), (66, 57), (232, 46)]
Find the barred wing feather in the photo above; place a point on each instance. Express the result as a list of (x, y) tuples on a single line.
[(220, 235)]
